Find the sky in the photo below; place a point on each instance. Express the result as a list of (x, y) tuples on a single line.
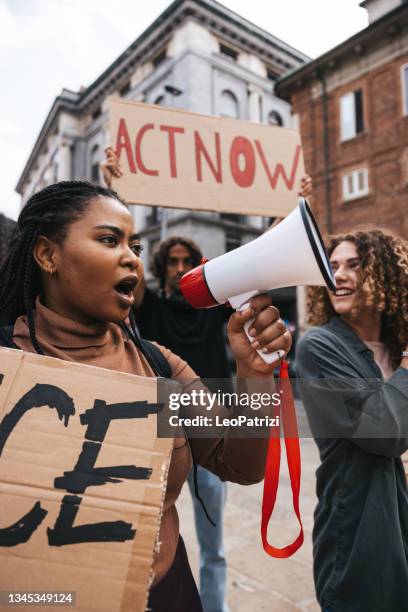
[(46, 45)]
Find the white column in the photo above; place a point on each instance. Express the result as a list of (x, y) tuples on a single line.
[(253, 103), (65, 160)]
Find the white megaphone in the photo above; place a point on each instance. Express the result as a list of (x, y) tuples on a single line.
[(290, 254)]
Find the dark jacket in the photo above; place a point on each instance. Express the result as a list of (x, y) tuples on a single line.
[(197, 336), (360, 424)]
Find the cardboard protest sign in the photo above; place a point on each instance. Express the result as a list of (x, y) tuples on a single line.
[(185, 160), (82, 481)]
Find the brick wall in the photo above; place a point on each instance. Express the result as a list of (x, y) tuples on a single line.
[(382, 147)]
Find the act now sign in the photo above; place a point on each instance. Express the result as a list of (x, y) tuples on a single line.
[(185, 160)]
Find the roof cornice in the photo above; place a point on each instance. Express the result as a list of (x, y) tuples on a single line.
[(229, 26), (387, 25), (66, 101)]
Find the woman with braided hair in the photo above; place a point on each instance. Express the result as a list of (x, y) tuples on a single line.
[(66, 290), (353, 370)]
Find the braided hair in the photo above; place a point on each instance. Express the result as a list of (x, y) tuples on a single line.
[(48, 213), (7, 227)]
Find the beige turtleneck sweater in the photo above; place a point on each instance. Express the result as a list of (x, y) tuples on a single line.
[(104, 345)]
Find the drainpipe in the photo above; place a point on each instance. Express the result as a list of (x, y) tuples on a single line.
[(326, 148)]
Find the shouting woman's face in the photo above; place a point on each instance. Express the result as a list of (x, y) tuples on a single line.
[(90, 276)]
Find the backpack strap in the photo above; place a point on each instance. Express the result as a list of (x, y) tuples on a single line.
[(151, 351)]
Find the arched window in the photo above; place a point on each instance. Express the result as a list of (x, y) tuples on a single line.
[(274, 118), (229, 105), (95, 161), (159, 100)]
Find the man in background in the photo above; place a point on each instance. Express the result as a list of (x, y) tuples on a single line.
[(198, 337)]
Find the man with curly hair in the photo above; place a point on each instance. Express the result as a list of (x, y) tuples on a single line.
[(7, 227), (353, 374)]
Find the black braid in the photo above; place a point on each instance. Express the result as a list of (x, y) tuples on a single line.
[(28, 297), (47, 213)]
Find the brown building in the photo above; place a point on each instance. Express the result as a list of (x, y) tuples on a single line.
[(352, 108)]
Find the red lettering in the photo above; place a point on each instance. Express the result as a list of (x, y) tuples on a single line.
[(171, 131), (138, 154), (123, 142), (242, 146), (279, 170), (201, 150)]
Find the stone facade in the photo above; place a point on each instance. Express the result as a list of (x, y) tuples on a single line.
[(198, 56)]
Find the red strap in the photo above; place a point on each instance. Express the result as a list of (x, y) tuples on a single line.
[(288, 419)]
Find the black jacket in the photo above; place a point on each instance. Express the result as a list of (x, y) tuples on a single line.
[(360, 424), (197, 336)]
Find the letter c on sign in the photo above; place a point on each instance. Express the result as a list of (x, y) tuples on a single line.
[(242, 146), (40, 395)]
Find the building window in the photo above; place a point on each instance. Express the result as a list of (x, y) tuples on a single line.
[(160, 57), (229, 105), (97, 113), (232, 217), (95, 160), (271, 75), (125, 89), (154, 216), (355, 184), (232, 240), (274, 118), (404, 84), (228, 52), (351, 114)]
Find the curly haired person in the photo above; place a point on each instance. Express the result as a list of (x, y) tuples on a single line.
[(353, 374)]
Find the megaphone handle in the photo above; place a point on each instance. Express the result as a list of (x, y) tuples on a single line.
[(267, 357)]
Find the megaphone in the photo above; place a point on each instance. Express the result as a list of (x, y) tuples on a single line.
[(289, 255)]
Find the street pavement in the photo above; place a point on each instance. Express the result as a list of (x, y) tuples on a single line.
[(257, 582)]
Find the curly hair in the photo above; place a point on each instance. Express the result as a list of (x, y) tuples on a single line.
[(383, 282), (159, 259), (7, 229)]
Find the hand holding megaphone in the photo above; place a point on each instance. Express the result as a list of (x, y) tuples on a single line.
[(290, 254), (241, 303), (270, 337)]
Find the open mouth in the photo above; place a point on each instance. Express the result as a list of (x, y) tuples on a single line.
[(125, 289), (343, 292)]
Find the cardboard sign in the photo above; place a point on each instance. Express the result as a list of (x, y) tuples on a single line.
[(82, 481), (185, 160)]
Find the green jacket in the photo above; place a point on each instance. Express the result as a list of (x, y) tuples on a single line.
[(360, 425)]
